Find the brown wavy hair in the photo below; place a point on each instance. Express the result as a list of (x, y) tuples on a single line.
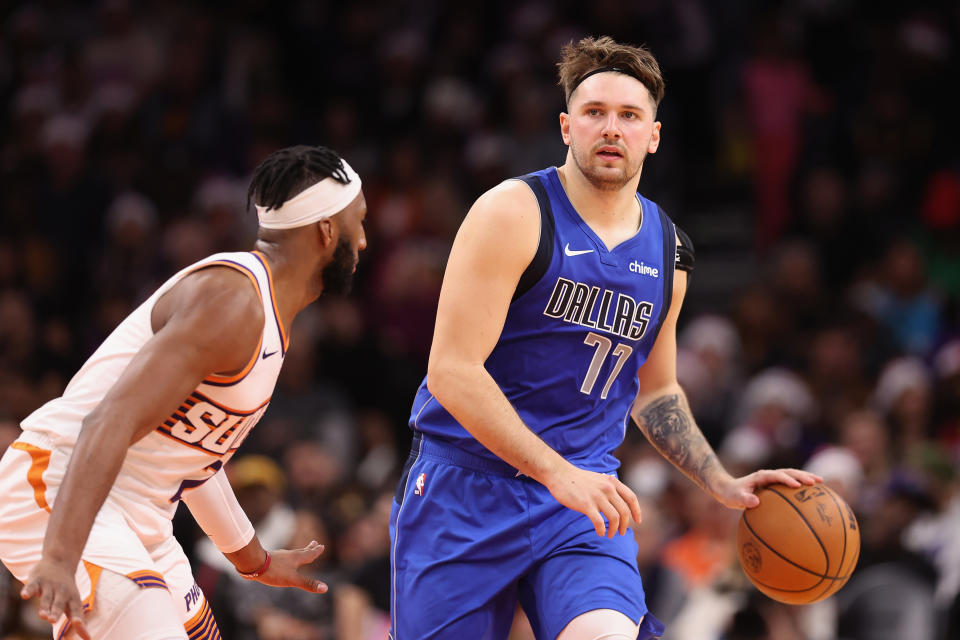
[(580, 58)]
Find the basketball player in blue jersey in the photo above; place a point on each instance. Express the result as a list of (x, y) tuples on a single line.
[(92, 483), (556, 323)]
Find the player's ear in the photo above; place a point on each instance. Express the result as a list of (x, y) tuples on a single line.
[(654, 138), (327, 231), (565, 127)]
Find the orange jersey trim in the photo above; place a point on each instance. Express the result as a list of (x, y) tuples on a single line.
[(202, 626), (256, 286), (94, 572), (39, 461), (284, 337)]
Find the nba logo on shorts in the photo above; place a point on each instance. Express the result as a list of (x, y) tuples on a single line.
[(418, 490)]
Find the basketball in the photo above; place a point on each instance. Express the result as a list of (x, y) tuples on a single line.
[(798, 545)]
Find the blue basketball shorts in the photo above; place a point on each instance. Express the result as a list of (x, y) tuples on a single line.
[(469, 540)]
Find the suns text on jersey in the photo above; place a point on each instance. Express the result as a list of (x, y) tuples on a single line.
[(604, 309), (204, 424)]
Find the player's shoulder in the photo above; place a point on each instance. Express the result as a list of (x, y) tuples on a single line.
[(508, 209), (509, 198), (502, 227), (218, 291), (218, 280), (217, 309)]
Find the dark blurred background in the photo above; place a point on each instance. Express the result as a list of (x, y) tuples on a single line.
[(809, 148)]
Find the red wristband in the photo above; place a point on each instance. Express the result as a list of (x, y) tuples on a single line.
[(256, 573)]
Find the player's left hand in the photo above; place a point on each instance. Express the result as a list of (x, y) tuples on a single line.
[(738, 493), (53, 584), (284, 568)]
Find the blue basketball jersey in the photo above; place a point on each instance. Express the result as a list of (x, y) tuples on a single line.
[(583, 320)]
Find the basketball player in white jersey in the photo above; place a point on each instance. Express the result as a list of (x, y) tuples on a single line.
[(91, 485)]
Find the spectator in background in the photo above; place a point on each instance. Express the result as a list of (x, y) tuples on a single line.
[(835, 374), (946, 365), (778, 92), (308, 406), (890, 595), (826, 218), (249, 610), (131, 256), (933, 533), (706, 549), (709, 369), (259, 485), (840, 469), (842, 472), (774, 408), (904, 395), (763, 330), (362, 599), (664, 582), (940, 237), (902, 299)]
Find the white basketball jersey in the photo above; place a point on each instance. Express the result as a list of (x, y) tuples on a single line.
[(200, 434)]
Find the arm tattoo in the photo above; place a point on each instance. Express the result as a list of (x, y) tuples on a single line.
[(668, 424)]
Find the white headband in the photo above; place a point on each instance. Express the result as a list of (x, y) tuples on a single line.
[(324, 199)]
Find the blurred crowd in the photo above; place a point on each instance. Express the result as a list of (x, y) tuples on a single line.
[(809, 148)]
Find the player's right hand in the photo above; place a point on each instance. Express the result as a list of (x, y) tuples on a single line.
[(284, 570), (597, 495), (54, 586)]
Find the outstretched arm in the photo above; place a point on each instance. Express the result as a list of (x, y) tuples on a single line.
[(214, 506), (663, 414), (496, 242), (185, 348)]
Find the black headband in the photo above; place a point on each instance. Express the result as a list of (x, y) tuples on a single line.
[(625, 72)]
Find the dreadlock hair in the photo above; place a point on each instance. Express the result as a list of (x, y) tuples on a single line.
[(287, 172)]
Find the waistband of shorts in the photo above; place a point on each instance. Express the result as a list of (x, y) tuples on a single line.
[(431, 447)]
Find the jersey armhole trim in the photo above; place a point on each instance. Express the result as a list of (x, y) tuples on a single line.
[(225, 381), (284, 337), (544, 255), (669, 267)]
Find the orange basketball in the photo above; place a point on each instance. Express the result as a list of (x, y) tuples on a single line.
[(799, 545)]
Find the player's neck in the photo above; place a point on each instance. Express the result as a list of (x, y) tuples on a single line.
[(291, 281), (615, 209)]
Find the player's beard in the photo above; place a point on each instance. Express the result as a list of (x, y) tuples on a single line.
[(601, 177), (337, 275)]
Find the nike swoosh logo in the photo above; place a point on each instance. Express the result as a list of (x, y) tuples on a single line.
[(575, 252), (267, 355)]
